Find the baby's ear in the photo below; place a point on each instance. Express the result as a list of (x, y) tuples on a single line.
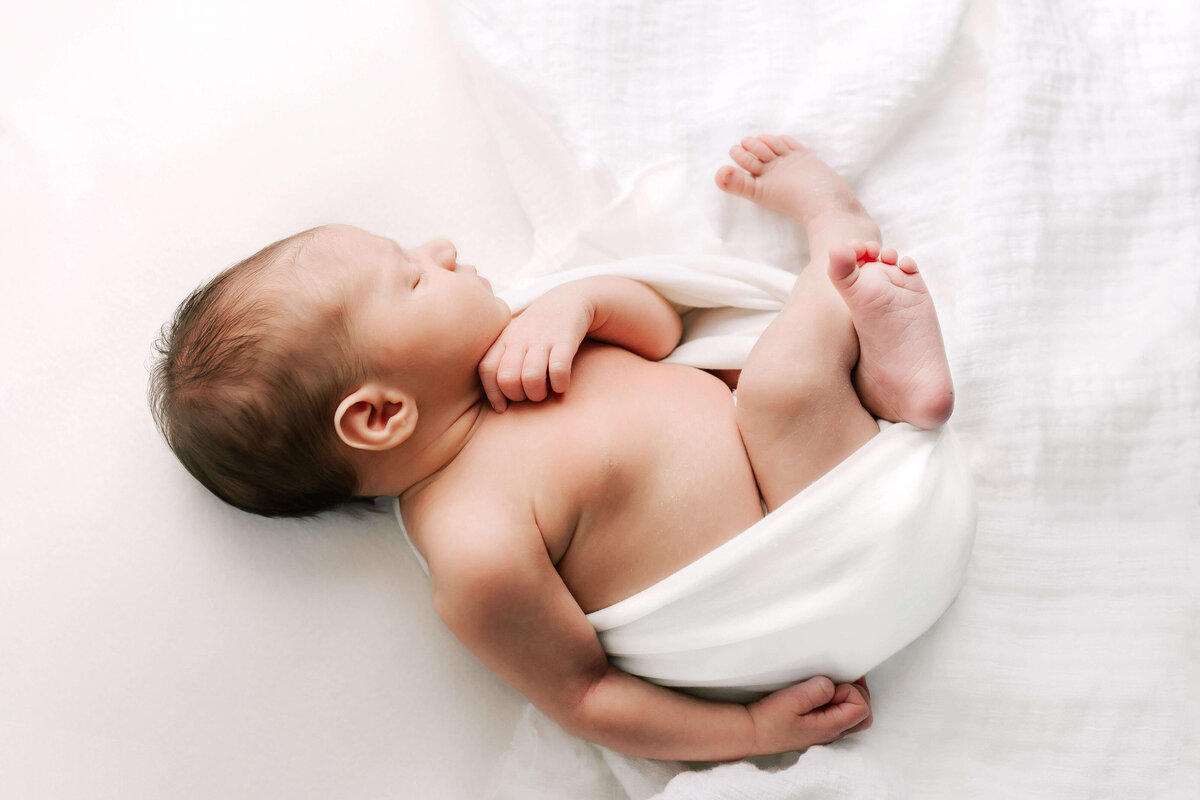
[(375, 417)]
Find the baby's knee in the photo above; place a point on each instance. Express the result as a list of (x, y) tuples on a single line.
[(778, 396)]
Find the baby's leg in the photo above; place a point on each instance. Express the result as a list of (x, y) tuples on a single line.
[(807, 398)]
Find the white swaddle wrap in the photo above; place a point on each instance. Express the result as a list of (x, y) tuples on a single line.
[(834, 581)]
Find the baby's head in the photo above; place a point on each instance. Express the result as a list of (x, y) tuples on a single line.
[(283, 376)]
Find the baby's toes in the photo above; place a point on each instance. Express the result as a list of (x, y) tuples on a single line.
[(746, 160), (759, 148), (776, 144), (735, 182), (908, 265), (843, 266)]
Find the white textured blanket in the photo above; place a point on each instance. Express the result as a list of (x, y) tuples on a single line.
[(1041, 160)]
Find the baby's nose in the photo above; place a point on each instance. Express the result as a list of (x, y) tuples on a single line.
[(445, 252)]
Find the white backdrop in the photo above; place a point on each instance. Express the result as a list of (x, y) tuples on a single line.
[(154, 643)]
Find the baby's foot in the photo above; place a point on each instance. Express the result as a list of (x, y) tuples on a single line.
[(782, 175), (902, 373)]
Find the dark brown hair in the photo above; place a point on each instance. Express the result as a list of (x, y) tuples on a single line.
[(245, 388)]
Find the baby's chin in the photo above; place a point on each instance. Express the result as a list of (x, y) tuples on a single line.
[(507, 310), (503, 317)]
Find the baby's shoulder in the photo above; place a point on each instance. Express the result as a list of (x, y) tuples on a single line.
[(480, 558), (461, 526)]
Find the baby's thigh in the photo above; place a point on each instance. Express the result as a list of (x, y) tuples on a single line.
[(795, 431)]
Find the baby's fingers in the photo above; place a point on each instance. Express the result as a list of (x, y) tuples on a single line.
[(488, 367), (561, 356), (861, 684), (848, 712), (508, 374), (533, 373)]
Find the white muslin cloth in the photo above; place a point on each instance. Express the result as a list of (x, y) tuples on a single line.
[(834, 581)]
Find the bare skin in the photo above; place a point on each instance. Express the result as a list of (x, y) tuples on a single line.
[(902, 372), (858, 339), (617, 470)]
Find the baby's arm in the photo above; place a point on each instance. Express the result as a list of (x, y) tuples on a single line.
[(534, 353), (501, 596)]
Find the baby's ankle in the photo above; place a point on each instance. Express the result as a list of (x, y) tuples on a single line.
[(837, 225)]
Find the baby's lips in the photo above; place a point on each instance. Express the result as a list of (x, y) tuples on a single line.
[(475, 271)]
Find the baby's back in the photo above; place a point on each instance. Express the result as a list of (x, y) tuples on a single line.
[(637, 470)]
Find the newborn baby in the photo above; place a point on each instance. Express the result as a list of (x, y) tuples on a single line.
[(546, 465)]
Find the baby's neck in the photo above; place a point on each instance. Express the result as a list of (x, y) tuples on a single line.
[(431, 450)]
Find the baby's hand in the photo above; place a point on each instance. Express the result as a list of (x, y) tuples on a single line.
[(533, 355), (809, 713)]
